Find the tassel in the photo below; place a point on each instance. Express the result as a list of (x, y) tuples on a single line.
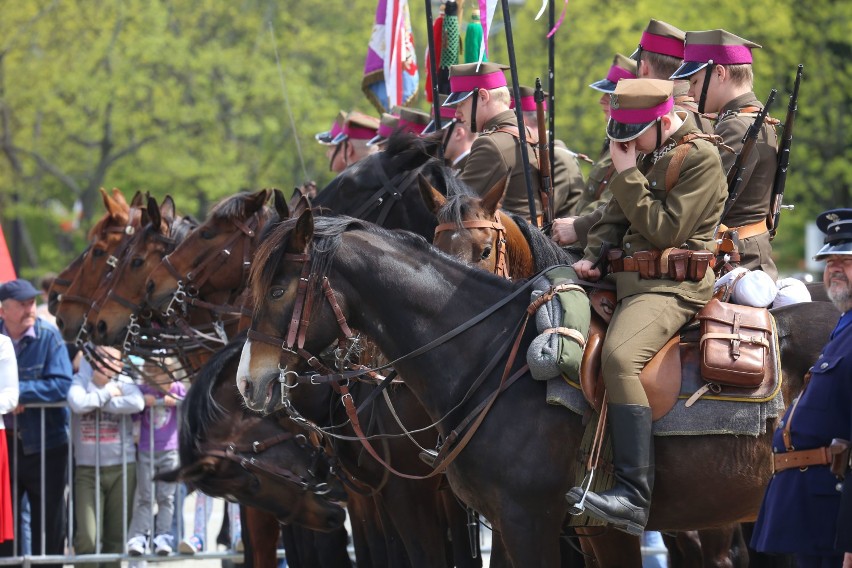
[(473, 39), (449, 45)]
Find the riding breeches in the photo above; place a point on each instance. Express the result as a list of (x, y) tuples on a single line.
[(641, 325)]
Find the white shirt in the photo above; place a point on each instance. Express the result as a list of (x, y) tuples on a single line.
[(8, 377)]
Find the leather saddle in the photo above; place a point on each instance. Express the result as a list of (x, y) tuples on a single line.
[(673, 373)]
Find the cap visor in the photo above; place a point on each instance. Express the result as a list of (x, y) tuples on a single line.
[(376, 140), (635, 55), (457, 97), (323, 137), (688, 69), (339, 138), (621, 132), (834, 248), (604, 86)]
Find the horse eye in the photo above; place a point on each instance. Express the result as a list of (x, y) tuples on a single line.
[(137, 262), (486, 252), (205, 234), (98, 252), (276, 293)]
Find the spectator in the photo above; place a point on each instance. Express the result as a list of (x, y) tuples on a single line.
[(100, 398), (157, 453), (203, 510), (8, 402), (44, 375), (41, 309)]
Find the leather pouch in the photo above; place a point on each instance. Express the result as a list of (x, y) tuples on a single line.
[(648, 262), (677, 263), (734, 344), (699, 261), (839, 450), (614, 256)]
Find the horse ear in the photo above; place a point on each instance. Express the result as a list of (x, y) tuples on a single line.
[(153, 212), (256, 201), (197, 470), (304, 204), (118, 197), (433, 198), (107, 200), (167, 209), (491, 200), (303, 233), (137, 199), (281, 204)]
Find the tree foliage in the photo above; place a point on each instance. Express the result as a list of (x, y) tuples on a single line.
[(186, 98)]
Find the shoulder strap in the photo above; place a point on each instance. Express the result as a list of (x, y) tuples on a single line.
[(680, 152)]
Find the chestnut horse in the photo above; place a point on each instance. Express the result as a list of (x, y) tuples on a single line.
[(519, 454)]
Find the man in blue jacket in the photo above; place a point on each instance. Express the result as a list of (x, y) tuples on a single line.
[(44, 375), (800, 510)]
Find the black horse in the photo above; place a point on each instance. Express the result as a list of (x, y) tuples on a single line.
[(520, 463)]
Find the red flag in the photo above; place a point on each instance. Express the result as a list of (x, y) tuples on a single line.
[(7, 269)]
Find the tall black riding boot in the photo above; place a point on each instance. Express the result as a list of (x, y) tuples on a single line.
[(626, 505)]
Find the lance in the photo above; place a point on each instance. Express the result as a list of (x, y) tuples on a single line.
[(516, 93), (551, 81), (433, 69)]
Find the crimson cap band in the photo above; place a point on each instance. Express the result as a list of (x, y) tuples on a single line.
[(387, 125), (336, 128), (637, 104), (718, 46), (837, 226), (528, 99), (660, 37), (358, 126), (622, 68), (413, 120), (448, 116), (466, 77)]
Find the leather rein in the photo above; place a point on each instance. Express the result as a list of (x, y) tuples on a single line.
[(499, 243)]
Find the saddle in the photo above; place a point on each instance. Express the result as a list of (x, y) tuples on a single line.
[(675, 372)]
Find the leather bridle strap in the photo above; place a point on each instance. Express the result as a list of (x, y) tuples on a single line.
[(499, 241)]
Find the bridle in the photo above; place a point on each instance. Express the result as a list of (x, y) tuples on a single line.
[(500, 268)]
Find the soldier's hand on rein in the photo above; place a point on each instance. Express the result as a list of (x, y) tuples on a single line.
[(585, 270), (623, 155)]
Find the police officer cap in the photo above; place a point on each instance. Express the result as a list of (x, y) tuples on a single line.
[(336, 128), (622, 68), (718, 46), (387, 124), (19, 289), (467, 77), (636, 105), (448, 116), (837, 226), (660, 37)]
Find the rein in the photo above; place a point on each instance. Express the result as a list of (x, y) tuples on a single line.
[(384, 194), (500, 268)]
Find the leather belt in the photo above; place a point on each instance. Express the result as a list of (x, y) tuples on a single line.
[(801, 458), (751, 230)]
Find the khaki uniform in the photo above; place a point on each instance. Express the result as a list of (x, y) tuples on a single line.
[(752, 205), (493, 155), (643, 216), (568, 183), (684, 102), (597, 191)]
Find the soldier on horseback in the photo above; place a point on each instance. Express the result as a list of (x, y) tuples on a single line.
[(661, 219)]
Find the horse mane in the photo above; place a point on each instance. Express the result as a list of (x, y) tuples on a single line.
[(181, 227), (231, 207), (457, 207), (545, 252), (201, 411)]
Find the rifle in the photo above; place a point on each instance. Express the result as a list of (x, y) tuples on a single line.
[(735, 174), (784, 159), (547, 197)]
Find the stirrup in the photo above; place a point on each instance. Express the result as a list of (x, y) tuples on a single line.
[(428, 457), (579, 507)]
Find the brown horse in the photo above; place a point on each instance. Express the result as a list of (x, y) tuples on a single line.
[(109, 238), (519, 458)]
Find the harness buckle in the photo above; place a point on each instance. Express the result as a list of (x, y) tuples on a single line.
[(255, 447), (112, 261)]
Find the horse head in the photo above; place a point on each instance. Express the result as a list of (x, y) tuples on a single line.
[(122, 295), (212, 262), (229, 452), (109, 237)]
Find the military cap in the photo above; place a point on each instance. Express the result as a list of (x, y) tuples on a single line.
[(448, 116), (413, 120), (527, 98), (19, 289), (716, 46), (358, 126), (660, 37), (336, 128), (837, 226), (387, 124), (622, 68), (467, 77), (637, 104)]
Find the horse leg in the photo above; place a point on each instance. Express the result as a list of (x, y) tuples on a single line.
[(716, 546), (499, 557), (613, 548), (262, 531), (530, 540), (397, 554), (370, 547), (456, 520)]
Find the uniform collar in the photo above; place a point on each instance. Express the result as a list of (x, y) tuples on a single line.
[(744, 100), (505, 118), (845, 321)]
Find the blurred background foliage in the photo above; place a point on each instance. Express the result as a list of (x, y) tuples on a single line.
[(185, 98)]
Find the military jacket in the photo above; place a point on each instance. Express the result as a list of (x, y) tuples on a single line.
[(568, 184), (800, 507), (752, 204), (493, 155), (642, 215), (597, 189), (684, 102)]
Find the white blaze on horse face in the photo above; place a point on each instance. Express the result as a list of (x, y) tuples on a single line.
[(244, 370)]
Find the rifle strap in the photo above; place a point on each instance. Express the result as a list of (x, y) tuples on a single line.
[(680, 152), (745, 112)]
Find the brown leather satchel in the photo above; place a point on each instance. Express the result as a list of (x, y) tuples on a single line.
[(734, 344)]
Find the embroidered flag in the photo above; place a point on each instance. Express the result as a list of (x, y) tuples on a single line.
[(390, 70), (486, 17)]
